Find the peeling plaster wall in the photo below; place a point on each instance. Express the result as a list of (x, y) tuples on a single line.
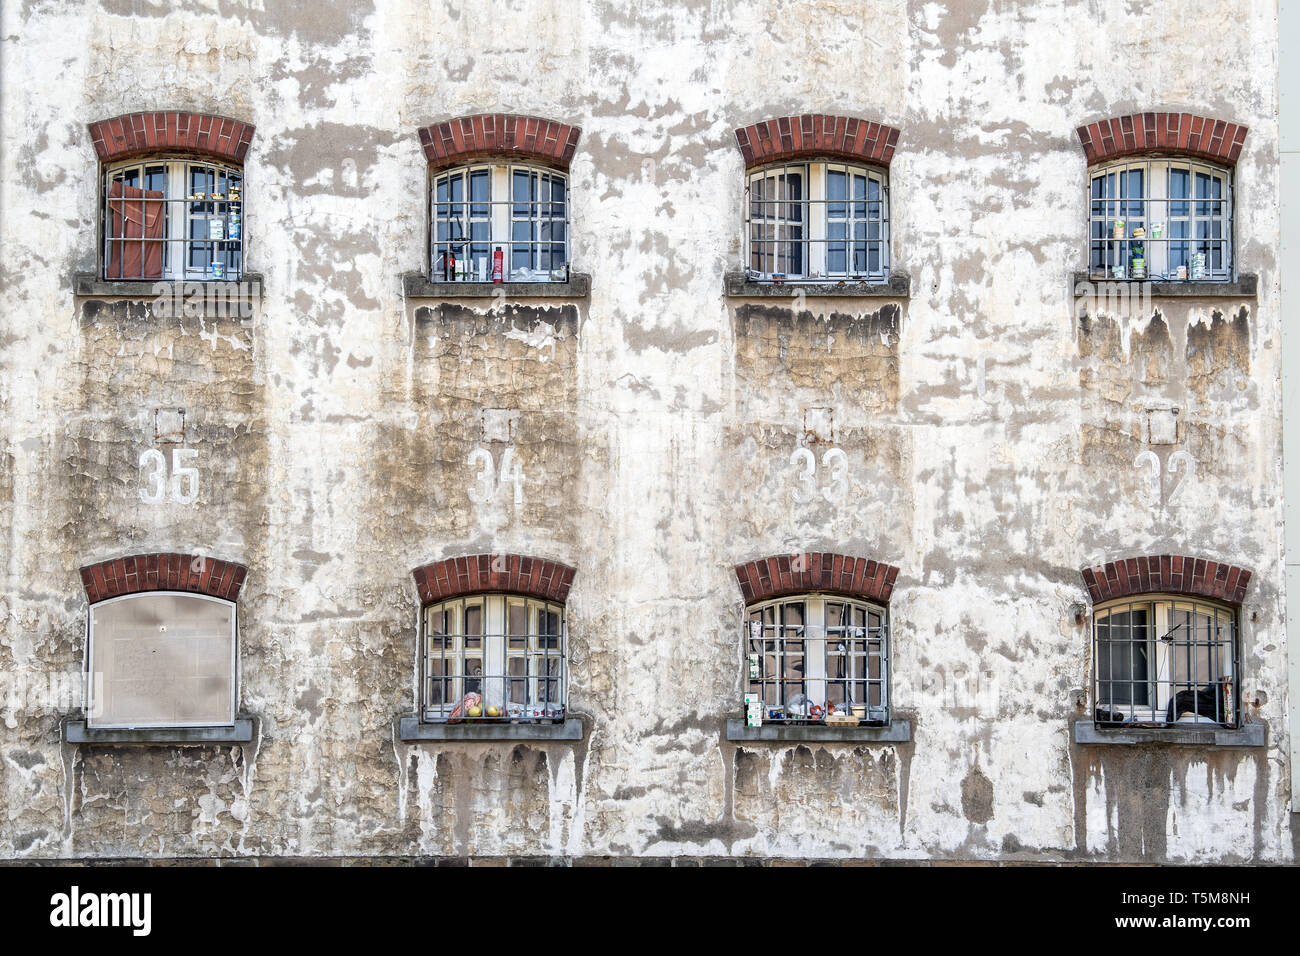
[(990, 433)]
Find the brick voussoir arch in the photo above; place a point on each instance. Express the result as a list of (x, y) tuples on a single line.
[(782, 574), (529, 138), (816, 134), (197, 573), (1172, 573), (136, 134), (516, 573), (1185, 133)]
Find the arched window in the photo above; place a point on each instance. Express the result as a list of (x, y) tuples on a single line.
[(818, 221), (814, 658), (1160, 197), (172, 196), (1165, 660), (1165, 641), (493, 639), (499, 198), (162, 642), (817, 199), (1161, 218), (494, 657), (521, 211), (173, 218)]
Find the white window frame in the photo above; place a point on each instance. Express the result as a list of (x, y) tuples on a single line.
[(88, 700), (541, 651), (502, 217), (177, 196), (1160, 679), (1156, 206), (815, 208), (813, 631)]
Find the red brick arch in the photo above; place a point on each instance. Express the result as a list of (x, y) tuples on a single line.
[(1172, 573), (163, 572), (845, 574), (816, 134), (1182, 133), (136, 134), (472, 573), (528, 138)]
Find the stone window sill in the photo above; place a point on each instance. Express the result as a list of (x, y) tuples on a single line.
[(412, 730), (247, 288), (1247, 735), (897, 286), (416, 285), (1243, 287), (242, 732), (896, 732)]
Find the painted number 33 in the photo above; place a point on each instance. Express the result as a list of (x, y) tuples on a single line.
[(834, 461)]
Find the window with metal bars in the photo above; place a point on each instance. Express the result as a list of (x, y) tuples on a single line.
[(493, 657), (1163, 661), (173, 219), (1165, 219), (817, 221), (818, 656), (521, 211)]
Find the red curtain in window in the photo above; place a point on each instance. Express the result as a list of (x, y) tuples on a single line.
[(134, 214)]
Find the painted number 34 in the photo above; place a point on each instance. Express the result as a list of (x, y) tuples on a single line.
[(489, 483)]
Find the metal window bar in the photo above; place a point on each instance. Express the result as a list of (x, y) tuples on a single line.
[(518, 668), (834, 665), (1169, 220), (173, 219), (522, 211), (815, 222), (1163, 662)]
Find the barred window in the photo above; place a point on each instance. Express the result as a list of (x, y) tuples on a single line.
[(521, 211), (173, 219), (1162, 661), (494, 657), (1166, 219), (817, 656), (817, 221)]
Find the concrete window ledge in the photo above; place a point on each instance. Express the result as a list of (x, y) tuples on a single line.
[(897, 732), (1247, 735), (76, 732), (1243, 287), (411, 730), (416, 285), (247, 288), (895, 287)]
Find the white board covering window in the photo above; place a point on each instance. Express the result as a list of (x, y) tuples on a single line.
[(161, 659)]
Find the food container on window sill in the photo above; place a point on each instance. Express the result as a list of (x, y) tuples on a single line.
[(841, 720), (1117, 231), (1157, 230), (218, 270)]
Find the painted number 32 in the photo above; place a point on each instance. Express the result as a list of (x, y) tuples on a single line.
[(835, 461), (183, 484)]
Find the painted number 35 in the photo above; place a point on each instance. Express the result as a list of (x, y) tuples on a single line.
[(183, 484)]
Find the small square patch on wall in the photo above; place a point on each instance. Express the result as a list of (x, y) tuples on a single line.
[(1162, 426), (499, 424), (818, 425), (169, 425)]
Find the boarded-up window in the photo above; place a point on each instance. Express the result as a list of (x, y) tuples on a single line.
[(162, 660)]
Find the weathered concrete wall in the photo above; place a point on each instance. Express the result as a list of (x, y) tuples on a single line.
[(991, 434)]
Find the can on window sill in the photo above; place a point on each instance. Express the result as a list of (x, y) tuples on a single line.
[(218, 270)]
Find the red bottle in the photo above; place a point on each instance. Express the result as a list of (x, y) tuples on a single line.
[(498, 266), (448, 266)]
